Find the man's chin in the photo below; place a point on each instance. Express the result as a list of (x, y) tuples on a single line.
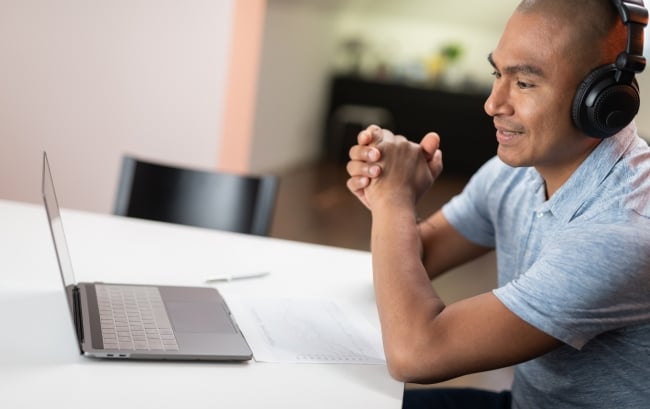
[(510, 158)]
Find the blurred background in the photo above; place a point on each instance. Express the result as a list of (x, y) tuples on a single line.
[(256, 86)]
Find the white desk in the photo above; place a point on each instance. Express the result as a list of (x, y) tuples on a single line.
[(39, 361)]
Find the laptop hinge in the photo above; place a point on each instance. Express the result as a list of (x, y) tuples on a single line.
[(76, 307)]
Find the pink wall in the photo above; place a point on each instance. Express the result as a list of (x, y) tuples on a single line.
[(239, 107)]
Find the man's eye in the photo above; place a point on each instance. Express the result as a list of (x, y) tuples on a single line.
[(524, 85)]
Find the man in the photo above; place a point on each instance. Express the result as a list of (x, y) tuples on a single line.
[(567, 213)]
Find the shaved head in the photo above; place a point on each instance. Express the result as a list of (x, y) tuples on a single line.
[(598, 34)]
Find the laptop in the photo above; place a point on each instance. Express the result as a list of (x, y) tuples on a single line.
[(127, 321)]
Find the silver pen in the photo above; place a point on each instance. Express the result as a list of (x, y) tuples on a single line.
[(232, 277)]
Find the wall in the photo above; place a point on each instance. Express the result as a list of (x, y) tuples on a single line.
[(643, 117), (293, 84), (88, 80), (410, 39), (241, 87)]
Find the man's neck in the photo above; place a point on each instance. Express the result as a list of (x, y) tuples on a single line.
[(556, 175)]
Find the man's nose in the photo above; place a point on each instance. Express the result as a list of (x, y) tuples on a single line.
[(497, 102)]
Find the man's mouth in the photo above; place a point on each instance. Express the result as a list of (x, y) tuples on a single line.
[(507, 134)]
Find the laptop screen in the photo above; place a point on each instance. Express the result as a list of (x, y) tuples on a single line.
[(56, 226)]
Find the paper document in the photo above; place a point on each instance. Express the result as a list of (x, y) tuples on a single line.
[(301, 330)]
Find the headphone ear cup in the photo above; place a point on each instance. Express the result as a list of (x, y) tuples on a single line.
[(601, 106)]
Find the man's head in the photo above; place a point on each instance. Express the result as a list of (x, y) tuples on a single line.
[(547, 48), (597, 34)]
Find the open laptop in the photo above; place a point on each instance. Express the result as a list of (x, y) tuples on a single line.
[(143, 321)]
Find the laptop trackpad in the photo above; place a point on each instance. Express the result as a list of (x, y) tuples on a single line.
[(199, 317)]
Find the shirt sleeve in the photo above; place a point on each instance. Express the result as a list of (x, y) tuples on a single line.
[(592, 278), (469, 212)]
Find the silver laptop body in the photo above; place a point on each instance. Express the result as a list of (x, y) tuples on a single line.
[(126, 321)]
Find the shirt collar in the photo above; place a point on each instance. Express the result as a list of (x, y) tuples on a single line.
[(586, 179)]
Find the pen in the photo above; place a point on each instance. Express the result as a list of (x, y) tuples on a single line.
[(222, 278)]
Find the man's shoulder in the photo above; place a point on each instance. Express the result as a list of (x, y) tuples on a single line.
[(627, 184)]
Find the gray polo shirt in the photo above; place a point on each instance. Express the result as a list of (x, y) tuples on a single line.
[(577, 267)]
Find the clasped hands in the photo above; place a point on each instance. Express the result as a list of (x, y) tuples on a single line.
[(384, 167)]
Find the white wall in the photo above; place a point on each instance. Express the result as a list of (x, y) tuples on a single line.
[(643, 117), (407, 45), (293, 85), (88, 80)]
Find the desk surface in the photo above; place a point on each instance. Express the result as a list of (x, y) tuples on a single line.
[(40, 364)]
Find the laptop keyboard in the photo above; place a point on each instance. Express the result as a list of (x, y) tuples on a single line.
[(134, 318)]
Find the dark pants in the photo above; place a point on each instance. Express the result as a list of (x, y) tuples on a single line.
[(455, 398)]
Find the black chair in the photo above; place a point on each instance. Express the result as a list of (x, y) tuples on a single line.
[(217, 200)]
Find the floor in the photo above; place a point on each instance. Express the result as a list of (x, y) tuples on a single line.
[(315, 206)]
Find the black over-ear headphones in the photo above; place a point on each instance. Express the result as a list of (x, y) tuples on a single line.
[(608, 98)]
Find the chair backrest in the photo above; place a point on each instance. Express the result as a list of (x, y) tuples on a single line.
[(217, 200)]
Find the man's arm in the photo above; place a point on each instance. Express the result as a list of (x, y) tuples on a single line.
[(425, 340)]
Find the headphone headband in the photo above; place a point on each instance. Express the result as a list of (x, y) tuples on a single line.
[(631, 61)]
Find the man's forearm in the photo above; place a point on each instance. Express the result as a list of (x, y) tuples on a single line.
[(406, 301)]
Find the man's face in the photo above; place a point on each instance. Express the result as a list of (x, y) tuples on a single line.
[(532, 94)]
